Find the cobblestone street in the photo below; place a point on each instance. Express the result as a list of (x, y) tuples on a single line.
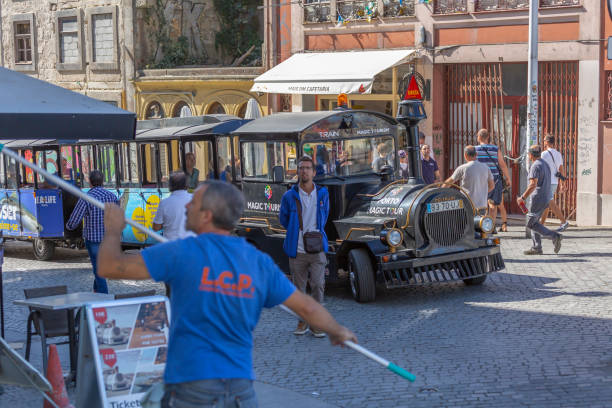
[(537, 334)]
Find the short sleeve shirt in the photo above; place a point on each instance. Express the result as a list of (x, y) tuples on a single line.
[(220, 284), (554, 159), (539, 199), (429, 170), (474, 177), (171, 215)]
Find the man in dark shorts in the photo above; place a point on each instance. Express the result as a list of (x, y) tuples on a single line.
[(223, 283), (489, 155), (539, 185)]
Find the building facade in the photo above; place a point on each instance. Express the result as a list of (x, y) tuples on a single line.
[(472, 55), (83, 45)]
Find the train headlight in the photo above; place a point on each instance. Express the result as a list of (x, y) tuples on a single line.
[(392, 237), (484, 224)]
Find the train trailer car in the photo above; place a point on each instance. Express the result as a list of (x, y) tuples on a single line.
[(381, 230)]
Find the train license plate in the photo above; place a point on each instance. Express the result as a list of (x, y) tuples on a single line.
[(444, 206)]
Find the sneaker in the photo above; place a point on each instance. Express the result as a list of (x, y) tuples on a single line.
[(557, 243), (302, 328), (563, 226), (533, 251), (318, 333)]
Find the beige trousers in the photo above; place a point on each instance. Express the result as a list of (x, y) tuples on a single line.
[(309, 268)]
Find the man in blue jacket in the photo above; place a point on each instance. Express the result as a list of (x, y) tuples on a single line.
[(304, 209)]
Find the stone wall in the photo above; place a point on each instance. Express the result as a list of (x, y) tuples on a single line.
[(102, 71)]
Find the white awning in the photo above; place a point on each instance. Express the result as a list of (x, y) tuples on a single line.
[(329, 73)]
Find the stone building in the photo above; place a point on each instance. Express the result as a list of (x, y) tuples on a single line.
[(156, 58), (472, 55), (79, 44)]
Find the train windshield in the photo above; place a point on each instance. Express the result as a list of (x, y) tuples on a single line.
[(348, 157)]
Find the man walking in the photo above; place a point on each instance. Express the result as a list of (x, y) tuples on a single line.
[(224, 283), (304, 210), (489, 155), (429, 166), (93, 231), (554, 159), (475, 177), (170, 214), (539, 185)]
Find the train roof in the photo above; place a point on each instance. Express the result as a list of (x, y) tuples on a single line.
[(296, 122), (219, 128)]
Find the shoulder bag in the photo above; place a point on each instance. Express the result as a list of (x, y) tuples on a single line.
[(503, 180), (313, 240)]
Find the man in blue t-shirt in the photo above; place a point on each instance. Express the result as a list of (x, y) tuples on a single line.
[(219, 283)]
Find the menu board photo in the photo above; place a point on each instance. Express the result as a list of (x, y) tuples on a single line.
[(130, 342)]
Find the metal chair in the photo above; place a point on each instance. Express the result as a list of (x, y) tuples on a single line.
[(135, 294), (47, 323)]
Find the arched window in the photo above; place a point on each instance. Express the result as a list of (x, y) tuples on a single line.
[(181, 110), (154, 111), (215, 108)]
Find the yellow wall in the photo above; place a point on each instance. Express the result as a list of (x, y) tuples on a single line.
[(199, 95)]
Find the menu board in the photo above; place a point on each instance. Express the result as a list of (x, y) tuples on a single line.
[(129, 342)]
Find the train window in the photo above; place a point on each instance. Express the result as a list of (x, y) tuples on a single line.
[(149, 165), (224, 157), (69, 163), (237, 158), (107, 165), (27, 174), (198, 162), (11, 173), (47, 159), (261, 158), (174, 156), (87, 164), (128, 165), (164, 164)]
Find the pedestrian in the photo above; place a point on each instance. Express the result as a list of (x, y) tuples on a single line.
[(554, 159), (489, 154), (539, 185), (224, 283), (475, 178), (170, 215), (304, 210), (429, 166), (93, 231), (404, 171)]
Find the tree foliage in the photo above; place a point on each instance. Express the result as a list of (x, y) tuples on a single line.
[(239, 29)]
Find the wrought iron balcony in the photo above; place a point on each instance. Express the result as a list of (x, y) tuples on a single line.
[(357, 10), (492, 5), (316, 11), (398, 8), (450, 6)]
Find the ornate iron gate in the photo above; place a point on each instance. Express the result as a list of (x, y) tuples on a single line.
[(475, 101), (558, 99)]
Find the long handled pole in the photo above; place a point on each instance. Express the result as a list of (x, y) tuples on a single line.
[(372, 356), (78, 193)]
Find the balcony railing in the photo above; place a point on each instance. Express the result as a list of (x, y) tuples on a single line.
[(397, 8), (317, 11), (450, 6), (357, 10), (492, 5)]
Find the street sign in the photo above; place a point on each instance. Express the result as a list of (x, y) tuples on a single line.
[(122, 351), (413, 91)]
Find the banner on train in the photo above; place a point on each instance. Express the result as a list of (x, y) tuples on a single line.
[(37, 214)]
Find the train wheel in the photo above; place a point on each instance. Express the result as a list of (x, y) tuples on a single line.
[(361, 276), (475, 281), (43, 249)]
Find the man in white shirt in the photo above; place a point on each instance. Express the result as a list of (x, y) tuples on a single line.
[(554, 159), (475, 177), (170, 214)]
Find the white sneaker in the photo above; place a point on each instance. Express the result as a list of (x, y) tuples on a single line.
[(563, 226)]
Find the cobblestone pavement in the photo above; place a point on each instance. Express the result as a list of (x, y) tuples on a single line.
[(537, 334)]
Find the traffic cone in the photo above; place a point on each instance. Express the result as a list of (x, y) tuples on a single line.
[(56, 378)]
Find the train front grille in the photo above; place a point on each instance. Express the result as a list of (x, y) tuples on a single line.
[(445, 228)]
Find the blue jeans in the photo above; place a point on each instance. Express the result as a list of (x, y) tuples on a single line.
[(215, 393), (99, 285)]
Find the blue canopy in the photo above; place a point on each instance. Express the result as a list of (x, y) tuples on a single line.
[(35, 109)]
